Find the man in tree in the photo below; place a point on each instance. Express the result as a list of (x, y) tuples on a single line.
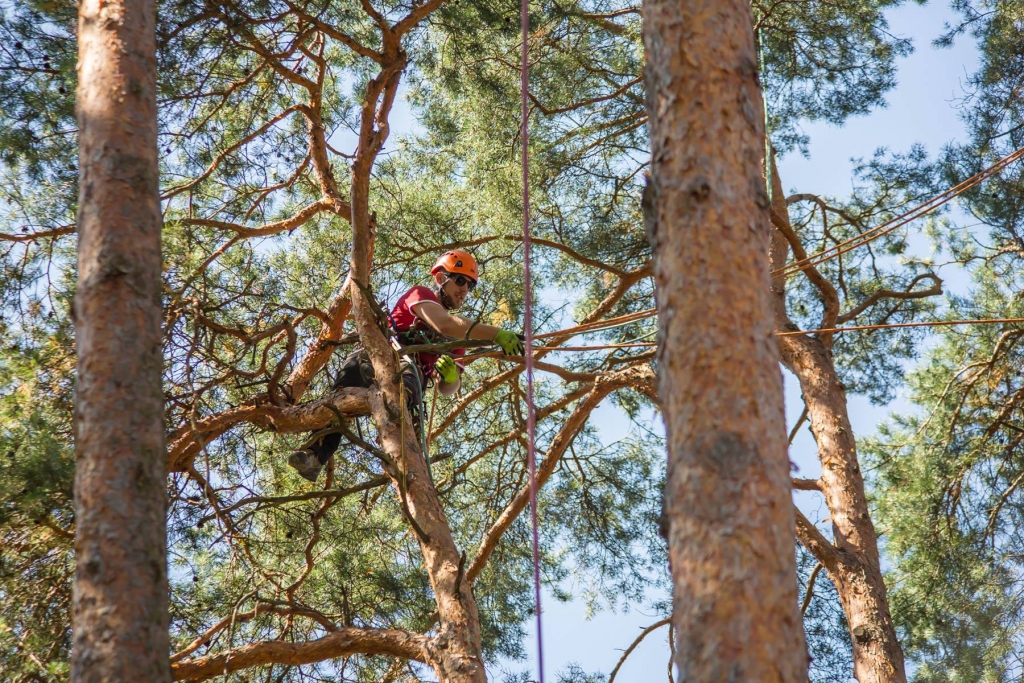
[(421, 316)]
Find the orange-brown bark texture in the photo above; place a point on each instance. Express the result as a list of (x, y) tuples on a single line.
[(853, 562), (456, 654), (728, 508), (119, 615)]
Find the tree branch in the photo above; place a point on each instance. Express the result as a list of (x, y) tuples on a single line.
[(343, 38), (586, 103), (563, 439), (219, 159), (629, 650), (343, 642), (418, 14), (262, 608), (186, 442), (42, 234), (934, 290), (816, 543), (299, 219), (809, 594)]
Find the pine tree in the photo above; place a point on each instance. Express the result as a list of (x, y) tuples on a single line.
[(261, 110), (119, 617), (727, 492), (948, 474)]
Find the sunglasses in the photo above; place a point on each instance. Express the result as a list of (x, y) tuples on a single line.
[(462, 281)]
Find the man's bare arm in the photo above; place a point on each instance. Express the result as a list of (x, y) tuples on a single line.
[(450, 325)]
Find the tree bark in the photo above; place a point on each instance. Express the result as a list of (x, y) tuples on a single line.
[(728, 507), (119, 616), (852, 561), (457, 650)]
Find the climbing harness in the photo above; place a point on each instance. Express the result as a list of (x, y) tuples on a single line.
[(531, 416)]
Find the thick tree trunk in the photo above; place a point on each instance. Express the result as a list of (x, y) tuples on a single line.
[(852, 561), (120, 617), (728, 507)]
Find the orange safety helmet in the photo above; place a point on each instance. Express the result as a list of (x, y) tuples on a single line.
[(456, 261)]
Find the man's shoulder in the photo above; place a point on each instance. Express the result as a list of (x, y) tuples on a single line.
[(417, 294)]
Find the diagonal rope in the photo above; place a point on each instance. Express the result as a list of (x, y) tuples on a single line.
[(790, 333), (601, 325), (899, 221), (894, 326), (531, 416)]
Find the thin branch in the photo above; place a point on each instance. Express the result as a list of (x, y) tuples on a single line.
[(309, 495), (816, 543), (559, 444), (829, 296), (586, 103), (418, 14), (343, 38), (934, 290), (798, 425), (629, 650), (219, 159), (262, 608), (184, 443), (810, 588), (299, 219), (42, 234)]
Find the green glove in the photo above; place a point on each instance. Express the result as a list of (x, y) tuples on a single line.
[(446, 367), (509, 343)]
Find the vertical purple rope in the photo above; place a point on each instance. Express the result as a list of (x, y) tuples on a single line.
[(531, 418)]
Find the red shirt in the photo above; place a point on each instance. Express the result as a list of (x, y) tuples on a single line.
[(405, 321)]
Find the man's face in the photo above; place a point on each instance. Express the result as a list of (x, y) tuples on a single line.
[(455, 293)]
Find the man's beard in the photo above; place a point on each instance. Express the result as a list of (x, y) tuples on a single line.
[(446, 300)]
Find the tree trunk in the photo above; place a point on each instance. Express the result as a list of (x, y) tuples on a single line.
[(852, 561), (728, 507), (119, 617), (456, 653)]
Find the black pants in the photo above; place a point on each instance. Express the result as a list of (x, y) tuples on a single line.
[(357, 371)]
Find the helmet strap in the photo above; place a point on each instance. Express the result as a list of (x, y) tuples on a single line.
[(446, 300)]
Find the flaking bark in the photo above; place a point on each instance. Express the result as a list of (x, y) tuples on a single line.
[(728, 509), (119, 616)]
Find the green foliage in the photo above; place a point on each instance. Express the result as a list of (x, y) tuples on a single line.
[(947, 475), (946, 490), (37, 84), (574, 673), (36, 512), (825, 61), (240, 308)]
